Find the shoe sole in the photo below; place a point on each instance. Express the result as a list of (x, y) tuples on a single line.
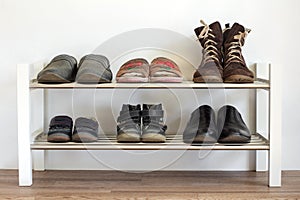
[(84, 137), (166, 79), (91, 79), (208, 79), (52, 78), (58, 137), (239, 79), (235, 138), (201, 139), (128, 137), (132, 80), (153, 138)]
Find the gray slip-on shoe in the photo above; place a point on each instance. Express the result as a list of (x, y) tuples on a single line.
[(61, 69), (94, 69)]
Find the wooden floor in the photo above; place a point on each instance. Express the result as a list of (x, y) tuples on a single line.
[(142, 186)]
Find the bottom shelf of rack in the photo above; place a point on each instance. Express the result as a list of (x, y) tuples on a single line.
[(173, 142)]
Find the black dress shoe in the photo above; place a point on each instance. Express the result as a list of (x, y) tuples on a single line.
[(129, 124), (153, 123), (231, 126), (201, 127)]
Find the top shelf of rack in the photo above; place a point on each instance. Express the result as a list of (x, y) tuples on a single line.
[(183, 85)]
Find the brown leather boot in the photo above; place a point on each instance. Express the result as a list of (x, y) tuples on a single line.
[(235, 68), (211, 39)]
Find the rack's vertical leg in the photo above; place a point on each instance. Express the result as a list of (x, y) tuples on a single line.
[(262, 122), (24, 150), (275, 128), (38, 156), (262, 114), (38, 160)]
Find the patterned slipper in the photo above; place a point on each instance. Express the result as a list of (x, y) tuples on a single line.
[(134, 71), (165, 70)]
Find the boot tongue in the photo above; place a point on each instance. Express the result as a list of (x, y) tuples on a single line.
[(231, 32), (216, 30)]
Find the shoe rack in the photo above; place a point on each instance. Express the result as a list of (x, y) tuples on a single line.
[(32, 142)]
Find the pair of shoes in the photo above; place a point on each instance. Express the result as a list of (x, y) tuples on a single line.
[(222, 54), (147, 125), (230, 127), (63, 69), (60, 129), (161, 70)]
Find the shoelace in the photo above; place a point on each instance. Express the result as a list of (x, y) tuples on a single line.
[(234, 51), (210, 50)]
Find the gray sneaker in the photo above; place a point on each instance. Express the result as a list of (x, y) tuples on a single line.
[(85, 130)]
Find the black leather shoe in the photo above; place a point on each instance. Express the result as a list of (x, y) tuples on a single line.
[(201, 127), (231, 126), (129, 124), (153, 124)]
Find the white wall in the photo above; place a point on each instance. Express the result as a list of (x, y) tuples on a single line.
[(34, 29)]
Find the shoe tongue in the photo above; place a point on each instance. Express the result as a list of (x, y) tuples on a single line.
[(128, 107), (231, 32), (152, 107)]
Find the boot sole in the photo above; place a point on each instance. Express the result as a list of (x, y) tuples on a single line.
[(153, 138), (128, 137), (239, 79), (52, 78), (208, 79)]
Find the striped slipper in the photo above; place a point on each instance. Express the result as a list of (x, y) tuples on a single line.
[(165, 70), (134, 71)]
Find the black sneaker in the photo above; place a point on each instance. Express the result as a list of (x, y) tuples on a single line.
[(85, 130), (153, 123), (60, 129), (129, 124)]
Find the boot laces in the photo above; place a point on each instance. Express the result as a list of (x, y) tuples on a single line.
[(210, 50), (234, 50)]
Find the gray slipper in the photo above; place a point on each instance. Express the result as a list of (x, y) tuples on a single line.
[(94, 69), (61, 69)]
